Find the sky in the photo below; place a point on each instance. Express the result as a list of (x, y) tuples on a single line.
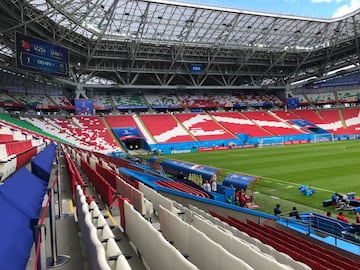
[(309, 8)]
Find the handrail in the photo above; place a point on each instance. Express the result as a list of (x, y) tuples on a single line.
[(310, 228), (39, 229), (41, 222)]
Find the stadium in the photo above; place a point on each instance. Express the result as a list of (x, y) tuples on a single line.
[(162, 134)]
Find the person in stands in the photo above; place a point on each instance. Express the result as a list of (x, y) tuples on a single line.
[(213, 184), (229, 199), (341, 217), (357, 220), (180, 175), (242, 198), (335, 199), (277, 210), (328, 214), (294, 213), (206, 186)]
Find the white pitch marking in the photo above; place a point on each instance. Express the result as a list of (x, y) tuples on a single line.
[(286, 182)]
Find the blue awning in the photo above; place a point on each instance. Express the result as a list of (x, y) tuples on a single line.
[(239, 181)]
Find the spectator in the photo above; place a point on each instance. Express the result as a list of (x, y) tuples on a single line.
[(229, 199), (345, 198), (242, 198), (180, 175), (213, 184), (335, 199), (277, 210), (341, 217), (294, 213), (206, 186), (344, 202), (237, 202), (357, 220), (328, 214)]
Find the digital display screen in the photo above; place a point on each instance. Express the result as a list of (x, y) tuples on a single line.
[(292, 103), (40, 56), (84, 107)]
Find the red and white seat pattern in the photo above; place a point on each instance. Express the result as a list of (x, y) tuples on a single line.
[(82, 134), (129, 121), (227, 100), (352, 120), (62, 101), (16, 149), (203, 127), (271, 124), (251, 98), (239, 124), (327, 119), (117, 121), (94, 131), (165, 128), (198, 101)]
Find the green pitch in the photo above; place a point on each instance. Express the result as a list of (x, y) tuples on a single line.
[(326, 167)]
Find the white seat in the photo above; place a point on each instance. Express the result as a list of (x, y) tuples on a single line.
[(105, 233), (100, 221), (95, 213), (93, 205), (122, 263), (112, 251)]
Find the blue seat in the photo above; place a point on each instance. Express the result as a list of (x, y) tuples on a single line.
[(42, 164), (16, 236), (24, 191), (21, 197)]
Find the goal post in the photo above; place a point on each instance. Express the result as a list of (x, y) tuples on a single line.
[(271, 141), (324, 137)]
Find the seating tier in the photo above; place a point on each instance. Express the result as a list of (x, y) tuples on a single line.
[(239, 124), (352, 120), (271, 124), (165, 128), (203, 127), (116, 121), (322, 98)]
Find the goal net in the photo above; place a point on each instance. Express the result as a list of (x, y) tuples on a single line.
[(325, 137), (270, 141)]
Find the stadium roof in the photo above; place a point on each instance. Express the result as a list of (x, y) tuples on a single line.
[(168, 22), (155, 42)]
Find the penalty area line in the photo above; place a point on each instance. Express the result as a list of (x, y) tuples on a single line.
[(287, 182)]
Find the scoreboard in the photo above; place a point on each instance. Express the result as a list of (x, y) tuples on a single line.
[(39, 56)]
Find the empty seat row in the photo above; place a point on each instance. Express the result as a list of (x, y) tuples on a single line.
[(19, 154), (101, 247), (215, 227)]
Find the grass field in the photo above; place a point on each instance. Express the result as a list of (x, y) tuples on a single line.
[(327, 167)]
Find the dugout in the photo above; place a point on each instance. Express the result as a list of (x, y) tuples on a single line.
[(174, 167), (241, 181)]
